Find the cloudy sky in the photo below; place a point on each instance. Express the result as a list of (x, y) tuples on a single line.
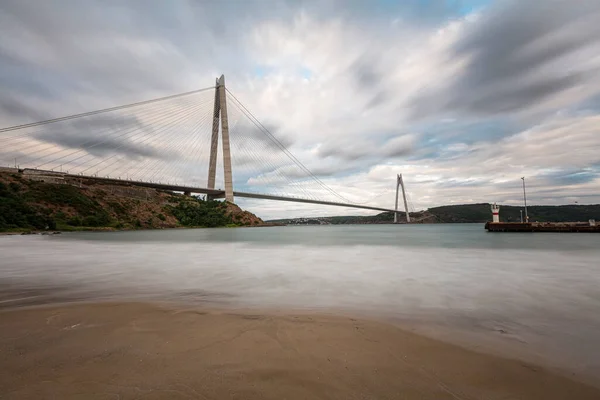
[(463, 97)]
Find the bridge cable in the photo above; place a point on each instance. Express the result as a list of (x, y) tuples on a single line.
[(284, 149), (185, 115), (264, 130), (42, 141), (81, 145), (150, 163), (183, 143), (272, 165), (128, 131), (197, 151), (86, 114), (241, 146), (134, 134)]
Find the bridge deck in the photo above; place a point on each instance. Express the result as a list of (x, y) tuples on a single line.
[(218, 193), (309, 201)]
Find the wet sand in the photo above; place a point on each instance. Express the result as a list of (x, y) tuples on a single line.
[(147, 351)]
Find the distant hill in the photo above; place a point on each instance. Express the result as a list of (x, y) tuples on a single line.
[(382, 218), (464, 213), (481, 213)]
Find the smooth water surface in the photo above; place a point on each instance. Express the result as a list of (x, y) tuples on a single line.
[(539, 291)]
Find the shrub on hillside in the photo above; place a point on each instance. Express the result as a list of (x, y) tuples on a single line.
[(16, 213), (197, 212)]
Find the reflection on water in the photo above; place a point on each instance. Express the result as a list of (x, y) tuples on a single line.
[(538, 289)]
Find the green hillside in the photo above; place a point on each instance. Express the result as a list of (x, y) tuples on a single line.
[(35, 205), (482, 213)]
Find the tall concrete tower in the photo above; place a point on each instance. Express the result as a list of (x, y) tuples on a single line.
[(214, 142), (400, 182), (220, 110)]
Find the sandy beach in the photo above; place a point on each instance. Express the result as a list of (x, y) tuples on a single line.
[(150, 351)]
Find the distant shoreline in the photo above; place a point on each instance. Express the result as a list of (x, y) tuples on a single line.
[(463, 213), (26, 232)]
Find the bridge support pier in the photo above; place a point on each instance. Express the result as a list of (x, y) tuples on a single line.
[(400, 182), (226, 147), (220, 110), (214, 142)]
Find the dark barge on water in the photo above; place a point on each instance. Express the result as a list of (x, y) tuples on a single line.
[(497, 226), (542, 227)]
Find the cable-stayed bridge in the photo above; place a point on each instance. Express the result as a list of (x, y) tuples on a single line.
[(173, 143)]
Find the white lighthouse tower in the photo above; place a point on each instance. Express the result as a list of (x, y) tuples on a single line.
[(495, 213)]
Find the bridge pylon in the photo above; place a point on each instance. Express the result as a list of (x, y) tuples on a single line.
[(220, 115), (400, 182)]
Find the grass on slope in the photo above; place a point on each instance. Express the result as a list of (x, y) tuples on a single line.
[(34, 205)]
